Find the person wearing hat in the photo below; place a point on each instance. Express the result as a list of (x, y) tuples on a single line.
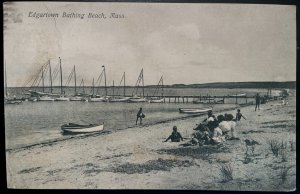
[(175, 136)]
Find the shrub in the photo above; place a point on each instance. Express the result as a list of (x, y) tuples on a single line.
[(283, 173), (283, 145), (292, 146), (226, 172), (283, 156), (275, 147)]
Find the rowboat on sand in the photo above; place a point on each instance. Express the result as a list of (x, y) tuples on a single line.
[(194, 110), (74, 128)]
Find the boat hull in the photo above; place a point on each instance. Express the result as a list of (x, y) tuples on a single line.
[(194, 110), (77, 98), (46, 99), (135, 100), (209, 102), (62, 99), (156, 100), (118, 100), (13, 102), (76, 129), (97, 100), (238, 95)]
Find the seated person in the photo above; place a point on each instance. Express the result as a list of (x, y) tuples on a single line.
[(201, 135), (210, 117), (232, 123), (217, 135), (175, 136), (223, 125)]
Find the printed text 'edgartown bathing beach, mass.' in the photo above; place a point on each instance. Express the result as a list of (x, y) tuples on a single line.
[(74, 15)]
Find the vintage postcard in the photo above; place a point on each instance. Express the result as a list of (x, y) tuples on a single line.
[(150, 96)]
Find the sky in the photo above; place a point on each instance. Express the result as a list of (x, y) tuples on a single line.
[(184, 43)]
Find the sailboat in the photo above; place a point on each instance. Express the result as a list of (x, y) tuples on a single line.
[(98, 98), (119, 98), (8, 100), (135, 97), (34, 94), (46, 97), (62, 93), (80, 96), (158, 99), (76, 97)]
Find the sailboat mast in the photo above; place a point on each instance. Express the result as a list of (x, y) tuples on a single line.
[(6, 93), (113, 87), (83, 86), (50, 74), (93, 87), (105, 80), (43, 78), (124, 83), (143, 82), (162, 86), (75, 79), (61, 89)]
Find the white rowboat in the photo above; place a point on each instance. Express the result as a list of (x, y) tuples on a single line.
[(45, 98), (137, 99), (76, 128), (156, 100), (194, 110), (125, 99), (238, 95)]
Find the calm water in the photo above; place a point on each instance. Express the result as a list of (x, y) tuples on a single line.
[(33, 122)]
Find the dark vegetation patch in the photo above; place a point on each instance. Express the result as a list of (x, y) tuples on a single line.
[(253, 131), (29, 170), (52, 172), (277, 126), (202, 152), (114, 156), (160, 164), (273, 122)]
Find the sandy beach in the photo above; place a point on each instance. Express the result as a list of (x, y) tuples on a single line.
[(137, 158)]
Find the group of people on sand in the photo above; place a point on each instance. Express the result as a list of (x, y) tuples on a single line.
[(212, 130)]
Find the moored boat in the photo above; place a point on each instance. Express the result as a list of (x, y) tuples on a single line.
[(97, 99), (137, 99), (238, 95), (119, 99), (77, 128), (45, 98), (211, 101), (194, 110), (62, 98), (12, 101), (77, 98), (156, 100)]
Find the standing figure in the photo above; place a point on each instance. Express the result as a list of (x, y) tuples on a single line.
[(257, 101), (239, 115), (140, 116)]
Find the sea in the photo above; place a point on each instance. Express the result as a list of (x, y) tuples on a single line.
[(37, 122)]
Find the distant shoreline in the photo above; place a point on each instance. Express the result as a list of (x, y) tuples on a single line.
[(228, 85)]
